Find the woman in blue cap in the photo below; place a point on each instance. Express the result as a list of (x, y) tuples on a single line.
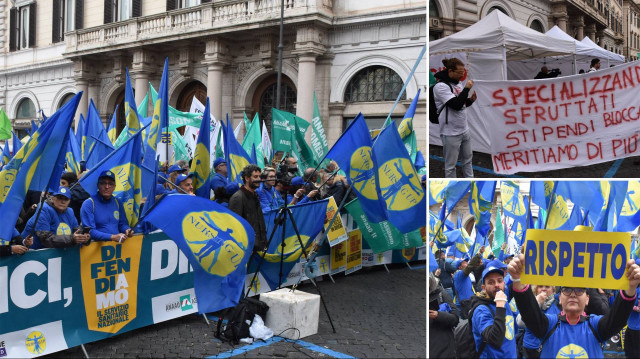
[(57, 225)]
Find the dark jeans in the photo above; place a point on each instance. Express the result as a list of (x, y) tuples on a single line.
[(632, 343)]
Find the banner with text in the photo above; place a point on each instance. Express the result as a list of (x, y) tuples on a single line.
[(563, 122), (584, 259)]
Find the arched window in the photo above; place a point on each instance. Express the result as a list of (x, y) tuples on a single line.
[(26, 109), (433, 9), (496, 8), (65, 99), (537, 25), (374, 83), (288, 99)]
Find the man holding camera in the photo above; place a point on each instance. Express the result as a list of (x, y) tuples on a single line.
[(546, 74)]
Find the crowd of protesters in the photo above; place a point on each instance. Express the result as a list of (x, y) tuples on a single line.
[(70, 216), (506, 319)]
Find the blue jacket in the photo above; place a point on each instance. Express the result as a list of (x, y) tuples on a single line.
[(104, 217), (269, 198), (51, 221), (463, 286), (219, 180)]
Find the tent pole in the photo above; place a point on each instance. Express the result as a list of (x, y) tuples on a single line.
[(504, 62), (575, 66)]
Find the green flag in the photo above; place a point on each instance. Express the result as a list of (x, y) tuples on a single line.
[(287, 133), (280, 131), (319, 142), (254, 137), (142, 107), (179, 146), (382, 236), (498, 235), (5, 126), (219, 146), (178, 118), (306, 158)]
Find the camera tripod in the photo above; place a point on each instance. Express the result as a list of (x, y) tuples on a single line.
[(281, 220)]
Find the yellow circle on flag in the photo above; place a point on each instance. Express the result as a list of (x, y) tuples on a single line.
[(362, 173), (399, 184)]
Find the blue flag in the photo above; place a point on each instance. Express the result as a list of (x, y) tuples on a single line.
[(95, 134), (436, 191), (541, 193), (513, 204), (124, 162), (454, 192), (159, 123), (200, 165), (37, 166), (236, 157), (80, 135), (400, 187), (629, 212), (216, 241), (309, 218), (433, 264), (17, 145), (353, 154), (34, 128), (130, 108), (481, 201), (73, 154), (112, 129), (6, 154)]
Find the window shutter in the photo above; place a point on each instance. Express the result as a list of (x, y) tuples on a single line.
[(32, 25), (79, 20), (171, 5), (205, 1), (137, 8), (55, 30), (108, 11), (13, 21)]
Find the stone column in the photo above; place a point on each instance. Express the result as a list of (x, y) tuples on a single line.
[(579, 24), (309, 45), (215, 58), (559, 13), (141, 70), (83, 75), (334, 125), (591, 31)]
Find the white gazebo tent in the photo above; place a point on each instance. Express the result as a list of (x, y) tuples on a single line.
[(486, 47), (568, 65)]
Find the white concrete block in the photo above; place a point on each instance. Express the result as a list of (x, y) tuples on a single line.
[(289, 309)]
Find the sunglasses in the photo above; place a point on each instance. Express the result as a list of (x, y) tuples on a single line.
[(568, 290)]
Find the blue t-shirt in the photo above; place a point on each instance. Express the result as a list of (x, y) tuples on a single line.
[(484, 317), (462, 283), (104, 217), (529, 340), (572, 341), (634, 319), (52, 221)]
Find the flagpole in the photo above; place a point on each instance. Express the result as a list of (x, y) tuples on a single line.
[(280, 49), (553, 192), (404, 86)]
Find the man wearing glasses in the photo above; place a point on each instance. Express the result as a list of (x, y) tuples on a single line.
[(571, 333), (104, 214)]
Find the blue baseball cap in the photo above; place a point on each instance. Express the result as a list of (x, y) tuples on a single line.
[(107, 174), (297, 181), (181, 178), (457, 262), (174, 168), (218, 162), (493, 266), (63, 191)]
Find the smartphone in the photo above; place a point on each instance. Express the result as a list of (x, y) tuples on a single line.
[(86, 230)]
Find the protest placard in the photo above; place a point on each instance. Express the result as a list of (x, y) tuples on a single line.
[(337, 233), (539, 125), (576, 258)]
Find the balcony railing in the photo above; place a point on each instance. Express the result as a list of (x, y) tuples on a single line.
[(217, 15)]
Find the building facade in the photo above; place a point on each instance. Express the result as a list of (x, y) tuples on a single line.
[(355, 56), (603, 21)]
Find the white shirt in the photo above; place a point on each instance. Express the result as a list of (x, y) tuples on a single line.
[(457, 123)]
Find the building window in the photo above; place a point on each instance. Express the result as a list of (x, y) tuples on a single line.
[(288, 99), (22, 23), (67, 16), (374, 83), (65, 99), (120, 10), (537, 25), (26, 109), (496, 8)]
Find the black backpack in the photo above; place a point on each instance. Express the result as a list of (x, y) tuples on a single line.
[(434, 111), (463, 336), (237, 317)]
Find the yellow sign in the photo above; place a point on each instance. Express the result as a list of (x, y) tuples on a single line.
[(576, 258), (109, 281), (339, 258), (337, 234), (354, 251)]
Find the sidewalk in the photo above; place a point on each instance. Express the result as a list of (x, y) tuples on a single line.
[(376, 315)]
